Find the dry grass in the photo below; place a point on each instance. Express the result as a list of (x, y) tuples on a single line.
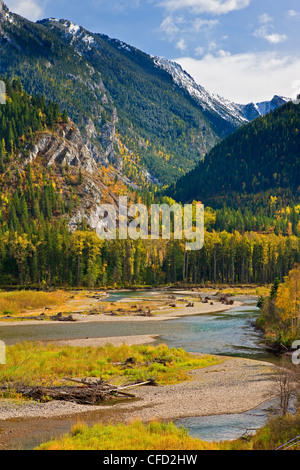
[(135, 436), (161, 436), (256, 291), (44, 364), (14, 303)]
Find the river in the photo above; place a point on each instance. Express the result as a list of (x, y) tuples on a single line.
[(230, 333)]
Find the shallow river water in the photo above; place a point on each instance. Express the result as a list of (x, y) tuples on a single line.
[(230, 333)]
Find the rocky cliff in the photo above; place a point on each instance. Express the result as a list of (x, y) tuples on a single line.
[(76, 174)]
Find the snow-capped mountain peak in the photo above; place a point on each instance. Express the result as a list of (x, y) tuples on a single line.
[(231, 112)]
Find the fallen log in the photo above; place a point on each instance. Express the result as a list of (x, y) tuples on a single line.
[(85, 393), (80, 395), (60, 317), (139, 384)]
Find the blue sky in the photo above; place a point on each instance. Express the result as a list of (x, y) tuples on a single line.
[(244, 50)]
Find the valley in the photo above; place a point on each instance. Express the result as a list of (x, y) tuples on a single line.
[(192, 337)]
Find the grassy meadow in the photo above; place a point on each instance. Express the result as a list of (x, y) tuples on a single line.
[(135, 436), (35, 363), (17, 302), (167, 436)]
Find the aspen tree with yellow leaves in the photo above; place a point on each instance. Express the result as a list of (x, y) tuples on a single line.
[(288, 299), (280, 313)]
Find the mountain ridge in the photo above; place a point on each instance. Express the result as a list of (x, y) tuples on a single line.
[(130, 111), (262, 157), (123, 114), (45, 142), (237, 113)]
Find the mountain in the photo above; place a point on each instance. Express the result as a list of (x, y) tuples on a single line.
[(237, 114), (131, 112), (45, 163), (51, 188), (260, 158)]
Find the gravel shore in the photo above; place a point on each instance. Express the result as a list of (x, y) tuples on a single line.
[(114, 340), (234, 386), (157, 315)]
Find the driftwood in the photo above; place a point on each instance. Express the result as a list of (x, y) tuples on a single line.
[(145, 313), (60, 317), (225, 301), (85, 393)]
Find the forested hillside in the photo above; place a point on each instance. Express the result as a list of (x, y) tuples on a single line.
[(260, 160), (50, 187), (130, 112)]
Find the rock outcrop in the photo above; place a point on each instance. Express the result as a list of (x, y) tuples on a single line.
[(66, 152), (66, 148)]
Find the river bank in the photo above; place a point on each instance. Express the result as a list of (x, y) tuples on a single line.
[(234, 386), (157, 314)]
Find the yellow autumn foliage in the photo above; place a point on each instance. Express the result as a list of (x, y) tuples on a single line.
[(288, 296)]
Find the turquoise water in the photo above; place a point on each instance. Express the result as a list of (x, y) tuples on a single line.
[(229, 333), (229, 427)]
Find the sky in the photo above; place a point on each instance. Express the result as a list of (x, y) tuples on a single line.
[(242, 50)]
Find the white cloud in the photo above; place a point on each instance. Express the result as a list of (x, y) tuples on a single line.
[(182, 30), (293, 14), (215, 7), (200, 50), (275, 38), (212, 46), (265, 18), (265, 32), (199, 24), (222, 53), (246, 77), (168, 26), (181, 45), (30, 9), (172, 25)]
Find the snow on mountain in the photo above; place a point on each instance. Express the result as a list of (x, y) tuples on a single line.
[(267, 106), (232, 112), (70, 28)]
